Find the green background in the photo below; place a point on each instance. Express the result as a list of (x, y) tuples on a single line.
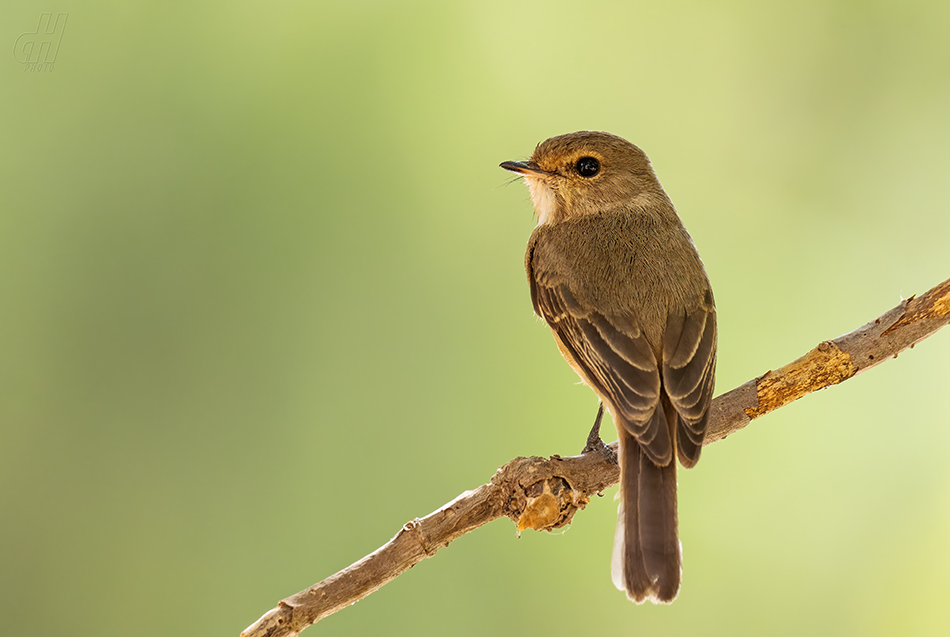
[(262, 302)]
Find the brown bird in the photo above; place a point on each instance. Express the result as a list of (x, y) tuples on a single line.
[(617, 278)]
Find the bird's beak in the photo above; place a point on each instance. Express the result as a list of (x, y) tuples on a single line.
[(523, 168)]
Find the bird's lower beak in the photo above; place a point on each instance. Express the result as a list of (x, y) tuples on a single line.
[(523, 167)]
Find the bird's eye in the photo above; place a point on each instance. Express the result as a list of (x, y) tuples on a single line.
[(587, 166)]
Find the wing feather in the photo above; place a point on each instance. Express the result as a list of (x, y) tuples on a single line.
[(689, 368)]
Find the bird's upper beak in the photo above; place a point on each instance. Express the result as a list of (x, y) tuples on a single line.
[(523, 168)]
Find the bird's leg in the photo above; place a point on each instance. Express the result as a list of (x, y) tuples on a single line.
[(594, 443)]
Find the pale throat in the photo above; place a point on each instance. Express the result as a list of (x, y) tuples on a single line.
[(543, 199)]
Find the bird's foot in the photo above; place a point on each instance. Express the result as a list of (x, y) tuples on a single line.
[(594, 442)]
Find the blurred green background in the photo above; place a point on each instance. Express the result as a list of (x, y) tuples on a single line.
[(262, 302)]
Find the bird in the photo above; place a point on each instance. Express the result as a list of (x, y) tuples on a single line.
[(617, 278)]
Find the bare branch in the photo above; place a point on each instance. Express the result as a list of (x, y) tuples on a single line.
[(832, 362), (544, 494)]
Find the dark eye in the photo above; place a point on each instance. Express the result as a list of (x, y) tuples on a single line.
[(587, 166)]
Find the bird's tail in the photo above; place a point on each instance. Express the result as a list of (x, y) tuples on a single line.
[(646, 563)]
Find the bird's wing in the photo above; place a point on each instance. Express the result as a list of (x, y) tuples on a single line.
[(689, 366), (612, 356)]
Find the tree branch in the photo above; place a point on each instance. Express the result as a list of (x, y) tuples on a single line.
[(544, 494)]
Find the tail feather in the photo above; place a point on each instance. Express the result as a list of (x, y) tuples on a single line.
[(646, 561), (658, 528), (628, 568)]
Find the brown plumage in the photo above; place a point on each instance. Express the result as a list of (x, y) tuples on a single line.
[(617, 278)]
